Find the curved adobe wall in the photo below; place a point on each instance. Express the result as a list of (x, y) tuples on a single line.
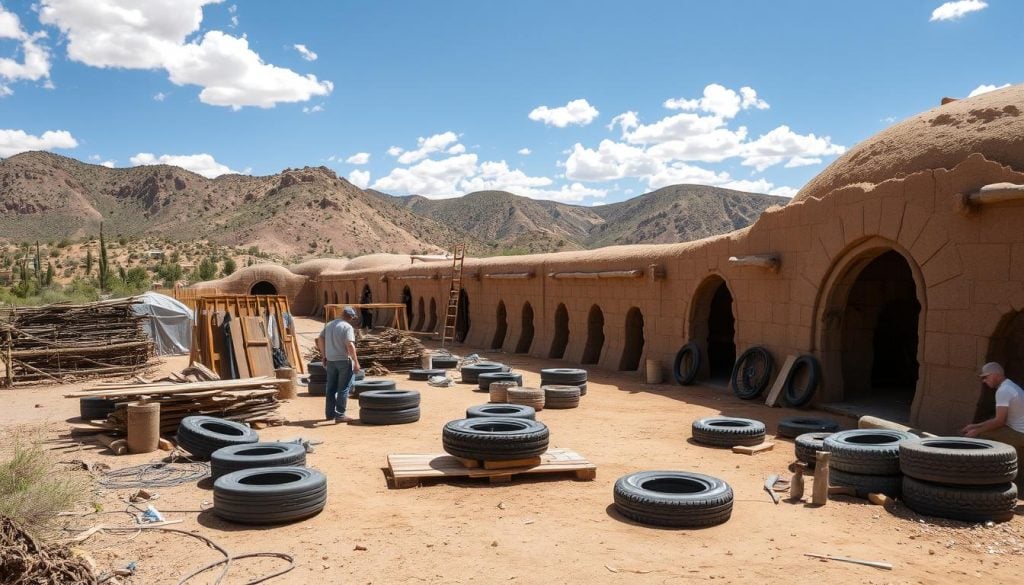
[(267, 279)]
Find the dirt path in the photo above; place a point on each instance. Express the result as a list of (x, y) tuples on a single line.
[(537, 530)]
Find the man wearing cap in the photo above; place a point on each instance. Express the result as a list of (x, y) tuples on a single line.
[(337, 345), (1007, 426)]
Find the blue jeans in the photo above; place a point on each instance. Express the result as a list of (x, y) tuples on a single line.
[(339, 385)]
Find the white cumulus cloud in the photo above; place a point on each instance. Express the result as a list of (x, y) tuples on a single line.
[(156, 34), (437, 179), (578, 112), (14, 141), (986, 88), (782, 144), (359, 158), (359, 178), (524, 151), (720, 101), (201, 164), (957, 10), (444, 142), (305, 52), (35, 63)]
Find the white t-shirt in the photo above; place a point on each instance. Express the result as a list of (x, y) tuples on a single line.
[(1011, 396), (335, 334)]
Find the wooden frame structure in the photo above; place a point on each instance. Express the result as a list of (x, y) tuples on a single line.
[(250, 316), (333, 311)]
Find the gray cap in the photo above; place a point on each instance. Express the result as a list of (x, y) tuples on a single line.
[(349, 311), (991, 368)]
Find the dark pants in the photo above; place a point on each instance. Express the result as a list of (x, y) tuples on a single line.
[(339, 385)]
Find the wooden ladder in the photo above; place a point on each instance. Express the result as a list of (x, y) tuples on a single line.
[(452, 311)]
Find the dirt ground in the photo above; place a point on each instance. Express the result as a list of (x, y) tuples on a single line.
[(539, 529)]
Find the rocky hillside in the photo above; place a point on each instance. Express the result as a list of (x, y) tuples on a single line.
[(301, 213)]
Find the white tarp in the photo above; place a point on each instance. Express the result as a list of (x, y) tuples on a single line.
[(169, 324)]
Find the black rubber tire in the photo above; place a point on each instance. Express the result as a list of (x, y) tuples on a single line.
[(389, 399), (866, 451), (269, 495), (422, 375), (316, 368), (95, 407), (235, 457), (673, 498), (202, 435), (970, 503), (890, 485), (796, 397), (373, 416), (581, 385), (796, 426), (559, 376), (471, 372), (444, 363), (751, 373), (484, 380), (364, 385), (689, 375), (726, 431), (502, 410), (958, 460), (561, 396), (807, 446), (317, 389), (495, 438)]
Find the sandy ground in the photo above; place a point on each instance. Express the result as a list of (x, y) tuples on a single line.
[(538, 529)]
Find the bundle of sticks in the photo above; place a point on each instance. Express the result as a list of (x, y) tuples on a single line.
[(250, 400), (391, 349), (64, 342)]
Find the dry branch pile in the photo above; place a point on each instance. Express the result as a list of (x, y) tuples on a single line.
[(62, 343), (391, 349), (23, 560)]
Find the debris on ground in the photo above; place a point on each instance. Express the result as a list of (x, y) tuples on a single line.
[(25, 560)]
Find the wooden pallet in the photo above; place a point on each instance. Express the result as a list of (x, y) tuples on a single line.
[(408, 469)]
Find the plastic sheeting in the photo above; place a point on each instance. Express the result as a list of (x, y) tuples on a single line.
[(169, 324)]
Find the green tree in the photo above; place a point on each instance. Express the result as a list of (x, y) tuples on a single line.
[(206, 270), (48, 280), (229, 267), (38, 266), (88, 261), (170, 274), (104, 269)]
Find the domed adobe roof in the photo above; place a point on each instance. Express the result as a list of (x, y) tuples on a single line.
[(378, 261), (991, 124)]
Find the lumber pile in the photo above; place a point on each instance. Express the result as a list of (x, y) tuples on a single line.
[(249, 400), (64, 342)]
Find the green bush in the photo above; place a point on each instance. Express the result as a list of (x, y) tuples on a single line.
[(32, 489)]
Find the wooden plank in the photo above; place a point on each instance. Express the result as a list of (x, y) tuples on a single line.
[(238, 346), (745, 450), (780, 380), (530, 462), (257, 346), (407, 469)]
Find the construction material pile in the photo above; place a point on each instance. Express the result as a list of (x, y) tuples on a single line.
[(249, 400), (61, 343), (386, 350), (25, 560)]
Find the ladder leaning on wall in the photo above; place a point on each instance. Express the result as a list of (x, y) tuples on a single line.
[(452, 310)]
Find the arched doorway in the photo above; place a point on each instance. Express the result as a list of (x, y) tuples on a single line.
[(502, 326), (407, 301), (595, 336), (346, 297), (462, 317), (366, 315), (1006, 346), (263, 288), (325, 298), (420, 316), (634, 341), (870, 328), (335, 297), (713, 328), (432, 325), (526, 336), (561, 339)]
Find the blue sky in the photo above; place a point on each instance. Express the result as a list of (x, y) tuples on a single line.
[(584, 102)]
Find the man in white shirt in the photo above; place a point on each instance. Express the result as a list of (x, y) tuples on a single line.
[(337, 345), (1007, 426)]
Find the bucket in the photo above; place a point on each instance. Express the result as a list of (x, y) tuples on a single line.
[(143, 427), (427, 360), (655, 375), (287, 390)]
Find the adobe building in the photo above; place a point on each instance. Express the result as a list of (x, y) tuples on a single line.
[(900, 267)]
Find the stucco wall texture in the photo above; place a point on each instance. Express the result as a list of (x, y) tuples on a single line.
[(886, 215)]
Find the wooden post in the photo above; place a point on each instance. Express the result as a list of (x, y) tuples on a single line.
[(796, 485), (820, 494)]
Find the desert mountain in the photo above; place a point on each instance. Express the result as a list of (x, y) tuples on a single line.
[(311, 212)]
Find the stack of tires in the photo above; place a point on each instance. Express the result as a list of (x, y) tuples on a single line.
[(389, 407), (471, 372), (959, 478), (361, 386), (807, 446), (269, 495), (727, 431), (673, 498), (560, 396), (867, 460), (502, 410), (202, 435), (565, 377), (247, 456), (317, 379), (532, 397), (499, 390), (484, 379), (495, 438)]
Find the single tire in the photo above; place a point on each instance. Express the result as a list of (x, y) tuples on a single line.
[(686, 366), (890, 485), (495, 438), (502, 410), (526, 396), (422, 375), (373, 416), (269, 495), (725, 431), (563, 376), (866, 451), (561, 396), (444, 362), (794, 395), (958, 460), (471, 372), (752, 372), (389, 399), (807, 446), (228, 459), (673, 498), (317, 389), (95, 407), (970, 503), (796, 426), (484, 380), (364, 385), (316, 368), (202, 435)]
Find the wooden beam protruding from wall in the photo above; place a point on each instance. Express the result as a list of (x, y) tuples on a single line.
[(598, 275), (989, 194), (769, 262)]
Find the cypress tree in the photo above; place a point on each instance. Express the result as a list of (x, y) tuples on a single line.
[(88, 261), (103, 261)]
